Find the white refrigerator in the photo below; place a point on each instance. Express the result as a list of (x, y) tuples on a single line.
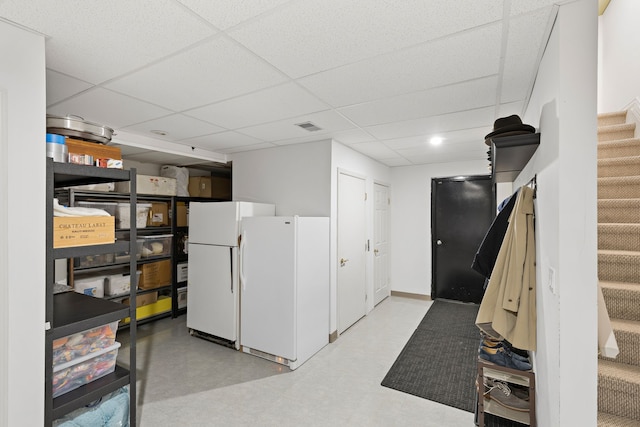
[(213, 285), (284, 273)]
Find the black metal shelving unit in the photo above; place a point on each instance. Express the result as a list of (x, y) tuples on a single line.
[(70, 312), (71, 196)]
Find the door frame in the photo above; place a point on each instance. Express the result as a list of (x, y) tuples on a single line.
[(433, 216)]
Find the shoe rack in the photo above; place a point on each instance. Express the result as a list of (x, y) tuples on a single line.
[(510, 376)]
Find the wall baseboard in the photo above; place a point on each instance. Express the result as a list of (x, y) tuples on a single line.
[(410, 295), (333, 336)]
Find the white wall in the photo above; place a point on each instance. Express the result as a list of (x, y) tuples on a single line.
[(294, 177), (563, 103), (22, 226), (411, 221), (620, 61)]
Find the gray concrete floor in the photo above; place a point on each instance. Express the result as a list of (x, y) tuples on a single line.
[(187, 381)]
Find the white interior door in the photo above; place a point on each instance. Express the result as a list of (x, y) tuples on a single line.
[(381, 288), (351, 283)]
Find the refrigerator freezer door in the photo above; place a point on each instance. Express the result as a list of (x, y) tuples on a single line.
[(268, 292), (213, 223), (213, 292)]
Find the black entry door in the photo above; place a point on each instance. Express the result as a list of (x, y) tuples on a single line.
[(462, 209)]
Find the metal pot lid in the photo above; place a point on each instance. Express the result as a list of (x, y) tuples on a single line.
[(76, 126)]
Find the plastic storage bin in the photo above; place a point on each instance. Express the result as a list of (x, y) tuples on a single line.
[(109, 207), (93, 286), (78, 372), (156, 246), (123, 215), (71, 347), (123, 256), (119, 284), (94, 260)]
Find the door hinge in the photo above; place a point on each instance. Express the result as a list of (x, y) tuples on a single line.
[(365, 196), (389, 201)]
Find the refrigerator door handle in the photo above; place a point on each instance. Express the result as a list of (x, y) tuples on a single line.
[(231, 266), (243, 241)]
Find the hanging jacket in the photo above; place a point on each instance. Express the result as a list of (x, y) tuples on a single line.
[(508, 308), (487, 253)]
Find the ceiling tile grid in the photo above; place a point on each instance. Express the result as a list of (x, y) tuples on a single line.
[(227, 76)]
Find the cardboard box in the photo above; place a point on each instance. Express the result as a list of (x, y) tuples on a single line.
[(200, 186), (83, 231), (182, 212), (149, 184), (97, 151), (158, 214), (144, 299), (155, 275), (221, 188)]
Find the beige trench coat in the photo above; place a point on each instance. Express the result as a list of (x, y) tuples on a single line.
[(508, 308)]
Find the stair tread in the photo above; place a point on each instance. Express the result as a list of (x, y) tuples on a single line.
[(626, 160), (612, 114), (624, 203), (615, 252), (623, 286), (621, 371), (632, 326), (619, 179), (622, 142), (616, 128), (619, 225), (609, 420)]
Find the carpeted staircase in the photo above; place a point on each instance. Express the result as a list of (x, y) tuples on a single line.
[(619, 267)]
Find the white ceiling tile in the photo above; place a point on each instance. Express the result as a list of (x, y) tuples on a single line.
[(435, 124), (239, 149), (466, 56), (525, 42), (309, 36), (464, 96), (396, 161), (352, 136), (210, 72), (374, 149), (96, 40), (275, 103), (228, 13), (220, 141), (177, 127), (108, 108), (60, 87), (523, 6), (328, 121)]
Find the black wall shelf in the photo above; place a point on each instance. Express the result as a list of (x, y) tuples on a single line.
[(510, 154)]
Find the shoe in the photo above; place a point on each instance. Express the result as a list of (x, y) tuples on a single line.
[(518, 391), (490, 343), (501, 393), (501, 357)]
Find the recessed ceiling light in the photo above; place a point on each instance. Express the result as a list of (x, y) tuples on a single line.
[(436, 140), (159, 132)]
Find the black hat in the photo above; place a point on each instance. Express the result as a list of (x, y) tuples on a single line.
[(506, 126)]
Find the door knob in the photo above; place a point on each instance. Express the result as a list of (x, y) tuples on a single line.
[(343, 261), (375, 252), (439, 242)]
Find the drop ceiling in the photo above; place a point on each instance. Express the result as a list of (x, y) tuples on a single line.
[(220, 77)]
